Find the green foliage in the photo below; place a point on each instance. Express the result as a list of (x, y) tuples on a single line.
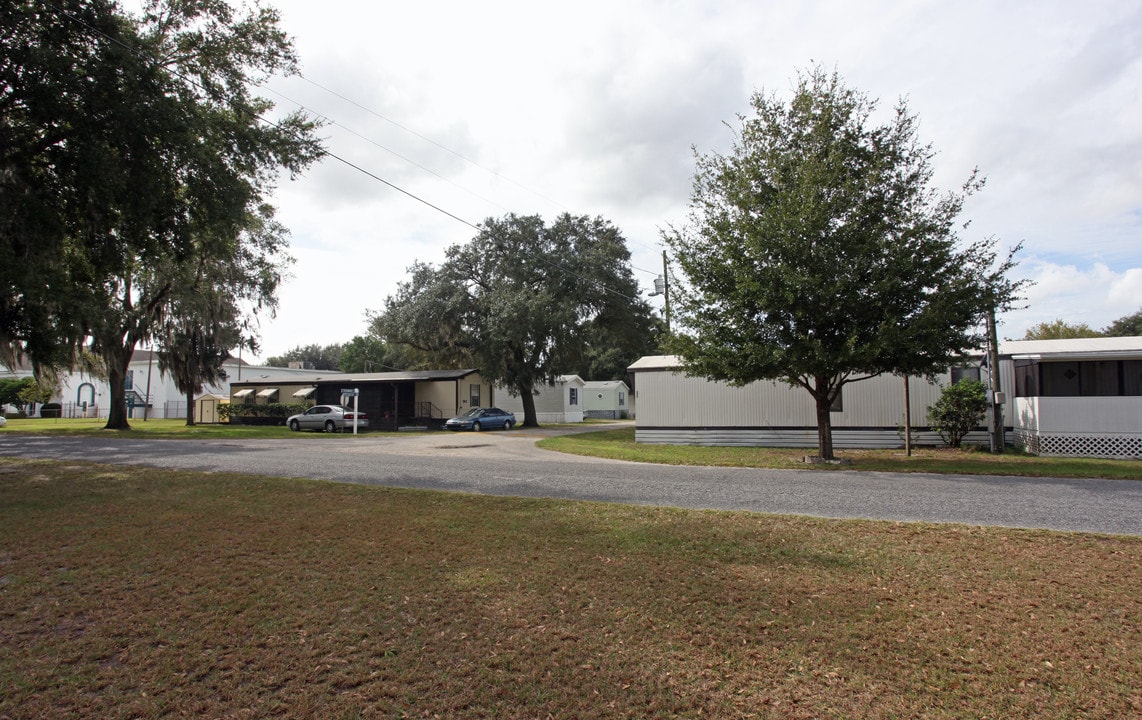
[(260, 410), (316, 357), (369, 353), (12, 390), (1060, 330), (25, 391), (817, 253), (525, 302), (36, 392), (1126, 326), (133, 165), (959, 410)]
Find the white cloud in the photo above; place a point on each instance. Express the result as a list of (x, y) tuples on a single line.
[(1096, 296), (592, 108)]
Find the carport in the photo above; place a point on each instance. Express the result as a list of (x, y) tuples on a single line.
[(392, 400), (410, 398)]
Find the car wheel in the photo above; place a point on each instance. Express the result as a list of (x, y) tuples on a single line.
[(508, 425), (294, 425), (476, 427), (330, 426)]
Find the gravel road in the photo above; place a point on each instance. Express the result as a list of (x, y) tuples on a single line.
[(510, 464)]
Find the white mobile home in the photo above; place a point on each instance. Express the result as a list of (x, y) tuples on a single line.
[(608, 399), (561, 402), (674, 408), (1078, 397)]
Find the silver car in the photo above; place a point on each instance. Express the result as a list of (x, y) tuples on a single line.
[(330, 418)]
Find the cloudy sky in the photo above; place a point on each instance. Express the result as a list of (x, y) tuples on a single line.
[(486, 108)]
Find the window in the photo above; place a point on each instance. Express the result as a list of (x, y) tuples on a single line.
[(960, 374), (246, 395), (474, 395), (622, 399), (838, 402), (1085, 378), (1132, 377), (1059, 379), (1026, 378), (573, 396), (1099, 378)]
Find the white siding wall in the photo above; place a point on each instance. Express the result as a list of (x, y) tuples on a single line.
[(603, 400), (666, 399), (552, 404), (1079, 415), (1080, 426)]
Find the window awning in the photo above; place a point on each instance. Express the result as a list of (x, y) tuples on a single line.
[(304, 392), (244, 392), (268, 392)]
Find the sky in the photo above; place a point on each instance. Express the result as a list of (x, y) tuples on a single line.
[(476, 110)]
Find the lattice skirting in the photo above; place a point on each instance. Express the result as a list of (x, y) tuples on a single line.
[(1111, 446)]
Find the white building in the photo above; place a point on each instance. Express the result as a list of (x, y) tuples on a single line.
[(1062, 397), (150, 392), (609, 399), (674, 408), (561, 402)]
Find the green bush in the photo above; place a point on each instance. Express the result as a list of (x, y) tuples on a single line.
[(959, 410), (268, 410)]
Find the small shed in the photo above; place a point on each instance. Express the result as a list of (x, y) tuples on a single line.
[(607, 399), (559, 402), (206, 407)]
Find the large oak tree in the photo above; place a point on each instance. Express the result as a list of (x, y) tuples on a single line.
[(133, 150), (817, 252), (523, 301)]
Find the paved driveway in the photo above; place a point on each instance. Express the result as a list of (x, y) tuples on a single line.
[(508, 463)]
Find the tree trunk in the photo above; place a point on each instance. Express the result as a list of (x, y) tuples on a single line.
[(907, 419), (190, 409), (824, 419), (118, 361), (527, 397)]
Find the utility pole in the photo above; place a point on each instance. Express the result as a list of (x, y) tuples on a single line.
[(997, 397), (662, 287)]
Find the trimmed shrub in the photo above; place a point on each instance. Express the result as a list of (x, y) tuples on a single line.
[(959, 410)]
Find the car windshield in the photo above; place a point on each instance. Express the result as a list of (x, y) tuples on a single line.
[(474, 412)]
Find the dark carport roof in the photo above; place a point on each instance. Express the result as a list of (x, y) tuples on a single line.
[(343, 379)]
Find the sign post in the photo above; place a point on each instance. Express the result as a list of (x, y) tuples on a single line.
[(355, 394)]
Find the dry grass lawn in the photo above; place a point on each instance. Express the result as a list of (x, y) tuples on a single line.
[(139, 593)]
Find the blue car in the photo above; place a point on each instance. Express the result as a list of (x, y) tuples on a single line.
[(478, 419)]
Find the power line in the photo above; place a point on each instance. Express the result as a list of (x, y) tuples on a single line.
[(435, 143), (439, 145), (329, 120), (324, 152)]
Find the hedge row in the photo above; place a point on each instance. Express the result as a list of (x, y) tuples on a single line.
[(269, 410)]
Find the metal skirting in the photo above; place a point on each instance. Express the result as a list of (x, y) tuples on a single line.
[(863, 438)]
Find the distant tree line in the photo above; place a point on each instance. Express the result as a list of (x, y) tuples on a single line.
[(1125, 326), (362, 354)]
